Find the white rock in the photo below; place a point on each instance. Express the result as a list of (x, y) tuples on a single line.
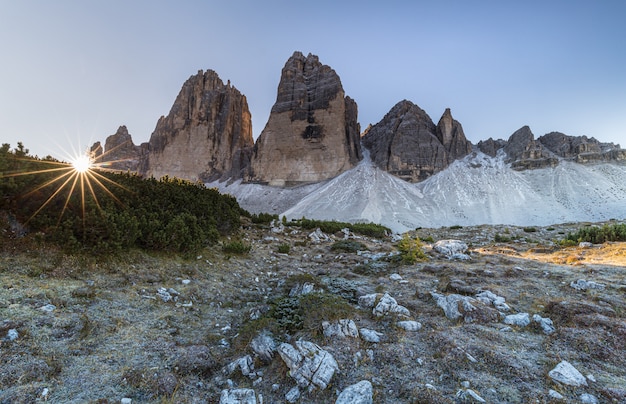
[(277, 226), (293, 395), (395, 277), (582, 284), (318, 236), (470, 394), (555, 395), (489, 297), (567, 374), (591, 378), (388, 305), (368, 300), (44, 393), (451, 304), (409, 325), (245, 364), (48, 308), (12, 334), (164, 295), (359, 393), (264, 346), (545, 323), (126, 400), (370, 335), (587, 398), (585, 244), (342, 328), (450, 247), (308, 364), (302, 289), (185, 281), (519, 319), (238, 396)]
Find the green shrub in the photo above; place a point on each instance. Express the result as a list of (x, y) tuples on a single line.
[(411, 250), (599, 235), (263, 218), (350, 246), (456, 227), (530, 229), (501, 239), (366, 229), (284, 248), (113, 211), (236, 247)]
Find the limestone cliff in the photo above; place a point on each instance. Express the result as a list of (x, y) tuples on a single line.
[(524, 152), (206, 136), (407, 143), (581, 148), (119, 152), (312, 133)]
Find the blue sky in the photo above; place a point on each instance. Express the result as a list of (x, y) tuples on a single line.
[(73, 71)]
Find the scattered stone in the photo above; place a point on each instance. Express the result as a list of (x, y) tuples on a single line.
[(582, 284), (126, 400), (342, 328), (165, 295), (395, 277), (519, 319), (498, 302), (388, 305), (591, 378), (12, 335), (185, 281), (465, 384), (567, 374), (309, 365), (368, 300), (302, 289), (587, 398), (238, 396), (370, 335), (555, 395), (48, 308), (469, 309), (264, 346), (545, 323), (245, 364), (359, 393), (409, 325), (585, 244), (44, 394), (469, 394), (277, 226), (452, 249), (293, 395), (166, 383), (319, 236)]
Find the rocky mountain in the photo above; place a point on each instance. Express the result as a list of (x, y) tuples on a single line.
[(312, 133), (119, 152), (406, 142), (207, 134)]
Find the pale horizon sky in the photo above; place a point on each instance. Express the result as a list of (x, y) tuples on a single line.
[(73, 71)]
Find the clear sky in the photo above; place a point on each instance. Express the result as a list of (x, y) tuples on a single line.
[(71, 72)]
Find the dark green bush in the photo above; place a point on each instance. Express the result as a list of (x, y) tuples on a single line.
[(263, 218), (411, 250), (236, 247), (530, 229), (501, 239), (112, 211), (331, 226), (599, 235), (284, 248), (350, 246)]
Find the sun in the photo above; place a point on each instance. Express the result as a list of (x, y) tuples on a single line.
[(82, 163)]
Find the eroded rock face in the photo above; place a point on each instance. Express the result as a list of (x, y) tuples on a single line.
[(206, 136), (407, 143), (490, 147), (119, 153), (580, 148), (312, 133), (524, 152)]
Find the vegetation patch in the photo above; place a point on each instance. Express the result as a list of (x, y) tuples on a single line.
[(410, 250), (599, 235), (236, 247), (331, 226), (350, 246)]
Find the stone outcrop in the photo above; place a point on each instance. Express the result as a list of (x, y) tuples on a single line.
[(407, 143), (119, 152), (524, 152), (490, 147), (312, 133), (581, 149), (206, 136)]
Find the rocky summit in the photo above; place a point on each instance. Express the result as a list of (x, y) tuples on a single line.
[(119, 152), (206, 136), (312, 133), (407, 143)]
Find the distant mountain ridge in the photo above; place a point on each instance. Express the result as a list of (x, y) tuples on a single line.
[(312, 141)]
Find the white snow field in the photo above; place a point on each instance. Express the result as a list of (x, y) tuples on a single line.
[(475, 190)]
